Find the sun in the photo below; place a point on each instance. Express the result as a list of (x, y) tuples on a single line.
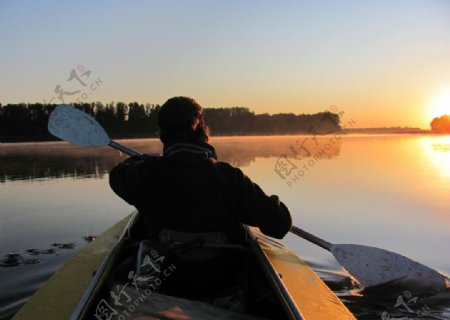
[(439, 105)]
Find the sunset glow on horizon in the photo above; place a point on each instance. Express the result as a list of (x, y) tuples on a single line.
[(440, 104), (382, 63)]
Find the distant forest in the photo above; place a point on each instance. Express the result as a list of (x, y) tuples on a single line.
[(441, 124), (28, 121)]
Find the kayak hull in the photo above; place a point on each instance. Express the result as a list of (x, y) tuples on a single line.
[(71, 290), (61, 294)]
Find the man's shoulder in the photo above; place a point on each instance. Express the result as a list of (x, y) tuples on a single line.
[(150, 159), (222, 164), (227, 168)]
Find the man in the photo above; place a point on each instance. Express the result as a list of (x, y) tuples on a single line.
[(188, 189), (187, 196)]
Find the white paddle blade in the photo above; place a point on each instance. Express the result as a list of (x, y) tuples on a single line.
[(77, 127), (373, 266)]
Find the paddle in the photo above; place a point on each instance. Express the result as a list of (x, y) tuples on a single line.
[(77, 127), (372, 266), (368, 265)]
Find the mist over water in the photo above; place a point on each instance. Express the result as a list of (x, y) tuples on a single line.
[(387, 191)]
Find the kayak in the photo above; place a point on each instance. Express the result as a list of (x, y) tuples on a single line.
[(121, 275)]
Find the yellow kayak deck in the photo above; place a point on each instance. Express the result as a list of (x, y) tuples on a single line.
[(310, 294), (59, 297)]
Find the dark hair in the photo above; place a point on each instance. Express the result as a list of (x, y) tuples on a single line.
[(181, 119)]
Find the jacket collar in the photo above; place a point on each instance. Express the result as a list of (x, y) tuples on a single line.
[(189, 150)]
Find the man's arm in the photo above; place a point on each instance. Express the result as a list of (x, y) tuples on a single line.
[(126, 178), (258, 209)]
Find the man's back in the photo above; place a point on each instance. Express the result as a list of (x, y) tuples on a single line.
[(189, 190)]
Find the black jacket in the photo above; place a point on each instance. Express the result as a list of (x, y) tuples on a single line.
[(187, 189)]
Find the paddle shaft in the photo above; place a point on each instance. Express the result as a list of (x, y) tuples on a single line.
[(123, 148), (311, 238)]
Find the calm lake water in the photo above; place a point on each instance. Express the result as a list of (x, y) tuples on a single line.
[(388, 191)]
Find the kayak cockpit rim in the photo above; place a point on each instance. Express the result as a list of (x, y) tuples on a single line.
[(289, 305), (100, 274)]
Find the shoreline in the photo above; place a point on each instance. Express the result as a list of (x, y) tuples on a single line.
[(24, 140)]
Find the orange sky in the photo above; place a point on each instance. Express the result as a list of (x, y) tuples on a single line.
[(383, 63)]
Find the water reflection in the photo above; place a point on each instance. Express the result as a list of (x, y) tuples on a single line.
[(35, 161), (437, 150), (52, 160), (398, 300), (389, 191)]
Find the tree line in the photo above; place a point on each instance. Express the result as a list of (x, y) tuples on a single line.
[(441, 124), (28, 121)]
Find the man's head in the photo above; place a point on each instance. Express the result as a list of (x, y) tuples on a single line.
[(181, 119)]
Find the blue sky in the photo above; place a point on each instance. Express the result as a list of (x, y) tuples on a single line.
[(381, 62)]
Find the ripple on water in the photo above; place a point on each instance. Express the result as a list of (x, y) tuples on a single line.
[(20, 279), (399, 299)]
